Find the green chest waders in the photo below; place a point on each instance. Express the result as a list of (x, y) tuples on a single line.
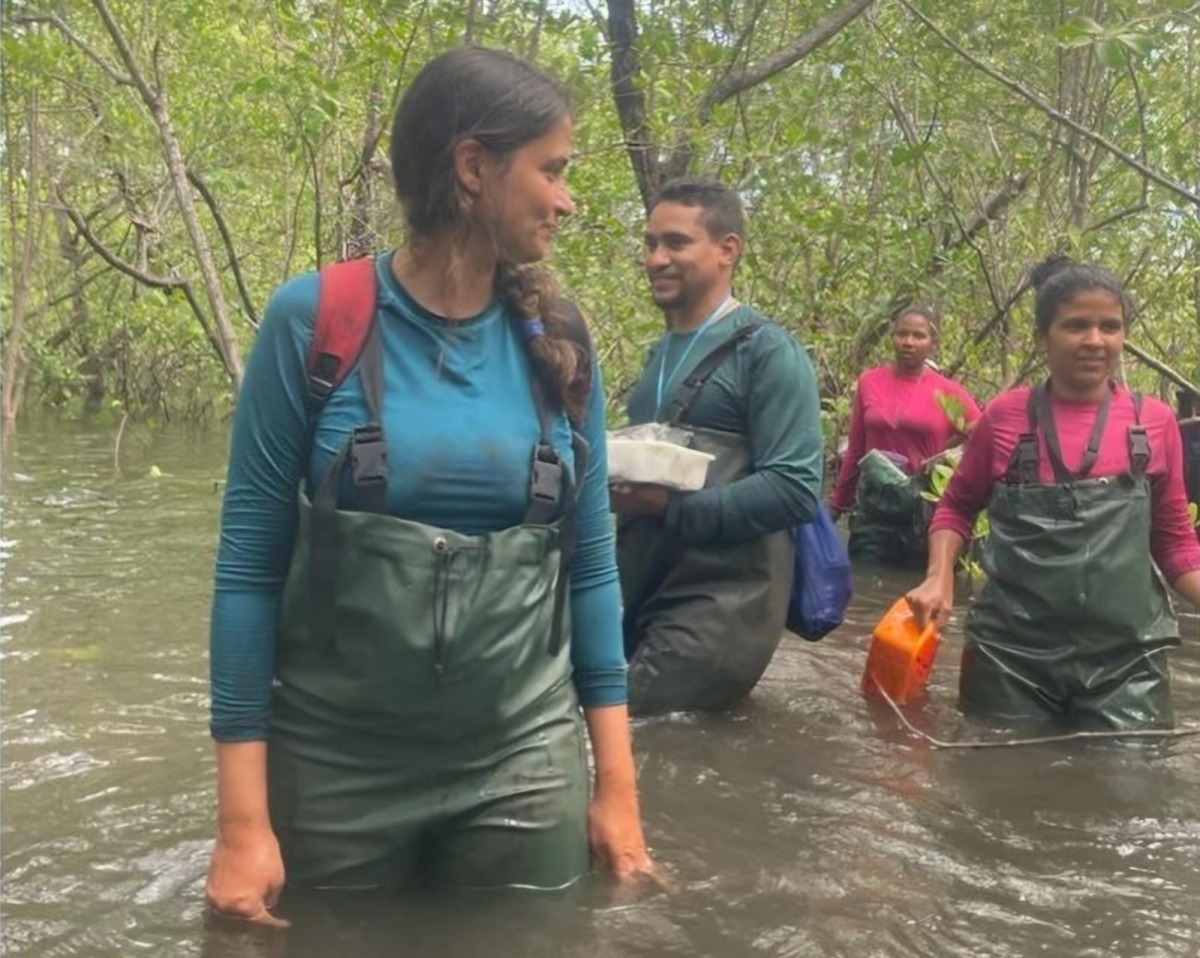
[(424, 723), (701, 623), (1073, 622), (890, 521)]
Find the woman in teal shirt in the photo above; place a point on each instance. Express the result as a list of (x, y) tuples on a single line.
[(411, 715)]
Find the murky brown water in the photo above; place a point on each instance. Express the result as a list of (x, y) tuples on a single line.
[(809, 823)]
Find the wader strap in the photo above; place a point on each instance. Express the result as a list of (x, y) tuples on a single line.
[(1044, 416), (685, 394), (368, 445), (1189, 429), (566, 538), (1023, 463), (547, 473), (1139, 441), (322, 558), (553, 494), (366, 453)]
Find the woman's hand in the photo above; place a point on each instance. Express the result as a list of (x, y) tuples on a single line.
[(932, 601), (615, 833), (246, 875)]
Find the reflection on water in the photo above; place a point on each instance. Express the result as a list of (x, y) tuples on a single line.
[(808, 823)]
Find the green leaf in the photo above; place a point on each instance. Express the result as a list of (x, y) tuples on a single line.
[(1137, 43), (983, 526), (1078, 32), (329, 106), (1111, 54), (954, 408)]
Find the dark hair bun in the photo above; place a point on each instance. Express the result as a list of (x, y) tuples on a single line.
[(1059, 279), (1055, 263)]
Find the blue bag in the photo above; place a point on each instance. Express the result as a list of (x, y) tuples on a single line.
[(822, 585)]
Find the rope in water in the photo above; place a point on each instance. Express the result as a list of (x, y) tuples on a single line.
[(1040, 740)]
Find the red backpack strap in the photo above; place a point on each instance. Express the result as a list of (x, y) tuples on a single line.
[(345, 311)]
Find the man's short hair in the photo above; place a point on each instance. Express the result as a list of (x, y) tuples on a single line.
[(723, 213)]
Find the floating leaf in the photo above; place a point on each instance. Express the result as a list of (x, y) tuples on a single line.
[(89, 652)]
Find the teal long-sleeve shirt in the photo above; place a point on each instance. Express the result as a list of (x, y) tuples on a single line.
[(461, 425), (767, 390)]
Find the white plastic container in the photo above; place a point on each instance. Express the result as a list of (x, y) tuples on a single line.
[(662, 463)]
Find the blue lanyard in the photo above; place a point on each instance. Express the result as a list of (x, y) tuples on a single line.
[(663, 378)]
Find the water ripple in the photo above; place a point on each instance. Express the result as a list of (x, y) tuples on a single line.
[(807, 824)]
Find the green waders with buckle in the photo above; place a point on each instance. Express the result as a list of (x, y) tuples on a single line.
[(1074, 620), (424, 724), (701, 621), (890, 520)]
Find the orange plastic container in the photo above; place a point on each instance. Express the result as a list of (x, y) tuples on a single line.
[(901, 655)]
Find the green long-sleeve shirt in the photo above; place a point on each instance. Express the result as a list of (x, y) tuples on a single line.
[(767, 390)]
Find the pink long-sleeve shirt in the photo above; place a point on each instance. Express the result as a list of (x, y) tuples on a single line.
[(899, 414), (1173, 541)]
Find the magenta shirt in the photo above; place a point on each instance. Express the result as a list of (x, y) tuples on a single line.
[(1173, 541), (898, 414)]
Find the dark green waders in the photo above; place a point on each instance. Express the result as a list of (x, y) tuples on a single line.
[(701, 621), (1073, 622), (890, 521), (424, 724)]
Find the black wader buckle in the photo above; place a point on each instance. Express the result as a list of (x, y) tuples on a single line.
[(368, 456), (1027, 458), (1139, 449), (545, 485)]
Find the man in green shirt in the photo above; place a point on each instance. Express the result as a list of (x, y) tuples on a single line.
[(706, 575)]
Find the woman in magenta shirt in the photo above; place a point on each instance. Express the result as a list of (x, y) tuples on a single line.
[(898, 413), (1083, 483)]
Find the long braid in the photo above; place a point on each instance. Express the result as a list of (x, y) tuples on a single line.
[(559, 360)]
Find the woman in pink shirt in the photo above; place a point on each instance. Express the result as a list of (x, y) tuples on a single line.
[(898, 414), (1083, 484)]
